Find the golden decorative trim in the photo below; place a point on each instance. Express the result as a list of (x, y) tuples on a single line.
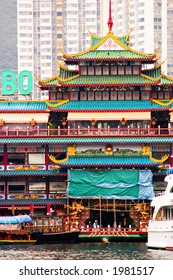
[(61, 102), (68, 79), (163, 159), (109, 35), (151, 78), (163, 103), (54, 160)]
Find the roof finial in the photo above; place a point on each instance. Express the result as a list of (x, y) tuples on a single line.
[(110, 21)]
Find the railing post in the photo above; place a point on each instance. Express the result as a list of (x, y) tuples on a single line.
[(148, 129), (138, 131), (158, 129), (7, 131), (27, 130), (68, 130), (88, 129), (48, 130), (108, 129), (59, 130), (17, 130), (118, 130), (128, 130), (169, 128), (78, 130), (38, 130)]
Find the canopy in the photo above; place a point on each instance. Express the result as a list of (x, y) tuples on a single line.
[(15, 219), (110, 184)]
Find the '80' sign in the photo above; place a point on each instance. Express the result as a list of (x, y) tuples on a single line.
[(10, 83)]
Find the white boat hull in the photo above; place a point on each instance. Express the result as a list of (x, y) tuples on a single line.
[(160, 235)]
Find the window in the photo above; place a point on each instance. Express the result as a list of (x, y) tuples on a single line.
[(1, 189), (98, 70), (37, 187), (16, 158), (83, 70), (36, 158), (16, 188), (91, 70), (57, 187)]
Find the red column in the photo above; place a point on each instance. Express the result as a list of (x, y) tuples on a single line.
[(31, 208), (47, 156), (48, 208), (5, 157)]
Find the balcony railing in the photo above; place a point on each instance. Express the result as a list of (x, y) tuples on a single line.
[(85, 132)]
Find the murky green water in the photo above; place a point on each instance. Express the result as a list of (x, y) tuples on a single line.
[(83, 251)]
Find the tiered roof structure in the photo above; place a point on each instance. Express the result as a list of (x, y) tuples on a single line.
[(109, 107)]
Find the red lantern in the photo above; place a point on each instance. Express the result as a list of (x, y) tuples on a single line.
[(2, 122)]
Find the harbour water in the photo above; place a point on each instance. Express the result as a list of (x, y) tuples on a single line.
[(83, 251)]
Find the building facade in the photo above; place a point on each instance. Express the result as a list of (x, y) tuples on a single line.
[(100, 146), (46, 26)]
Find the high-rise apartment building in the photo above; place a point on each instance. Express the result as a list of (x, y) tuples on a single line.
[(151, 25), (46, 26), (37, 37)]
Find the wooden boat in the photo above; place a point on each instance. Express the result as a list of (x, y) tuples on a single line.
[(52, 230), (12, 229)]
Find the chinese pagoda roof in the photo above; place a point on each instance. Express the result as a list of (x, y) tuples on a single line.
[(75, 161), (72, 140), (42, 106), (30, 173), (34, 201), (23, 106), (109, 47), (103, 106), (119, 80), (97, 39)]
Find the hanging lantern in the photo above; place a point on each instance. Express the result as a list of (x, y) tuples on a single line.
[(153, 121), (123, 121), (64, 121), (2, 122), (33, 122), (93, 122)]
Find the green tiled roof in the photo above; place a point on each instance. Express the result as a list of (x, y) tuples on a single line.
[(29, 172), (165, 80), (136, 80), (109, 55), (23, 106), (87, 140), (96, 39), (65, 74), (123, 105), (155, 73), (32, 201), (108, 160)]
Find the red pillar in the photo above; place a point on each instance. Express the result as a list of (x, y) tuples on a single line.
[(31, 208), (48, 208)]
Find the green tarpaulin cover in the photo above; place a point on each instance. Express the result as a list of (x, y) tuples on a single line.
[(117, 184)]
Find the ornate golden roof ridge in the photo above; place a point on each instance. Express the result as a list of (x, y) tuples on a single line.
[(113, 37)]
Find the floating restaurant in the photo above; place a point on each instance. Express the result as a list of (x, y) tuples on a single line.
[(99, 146)]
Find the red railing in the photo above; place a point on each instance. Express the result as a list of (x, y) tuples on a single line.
[(84, 132)]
